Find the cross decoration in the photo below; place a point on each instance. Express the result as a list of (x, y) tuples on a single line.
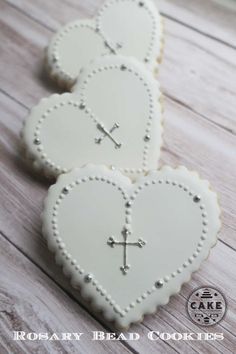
[(112, 242), (107, 133)]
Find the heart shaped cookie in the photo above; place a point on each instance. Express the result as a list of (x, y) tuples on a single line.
[(143, 242), (113, 117), (112, 31)]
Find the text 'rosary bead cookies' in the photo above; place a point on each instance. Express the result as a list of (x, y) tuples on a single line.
[(143, 242), (112, 117), (127, 27)]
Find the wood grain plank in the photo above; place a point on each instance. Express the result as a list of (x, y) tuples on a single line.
[(22, 197), (197, 72), (22, 44), (53, 14), (214, 18), (31, 302), (192, 141)]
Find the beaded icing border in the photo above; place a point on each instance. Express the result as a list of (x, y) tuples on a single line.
[(61, 35), (129, 200)]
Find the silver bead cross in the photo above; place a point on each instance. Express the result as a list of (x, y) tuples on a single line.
[(112, 242), (107, 133)]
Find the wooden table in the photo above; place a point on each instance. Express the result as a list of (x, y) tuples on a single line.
[(198, 78)]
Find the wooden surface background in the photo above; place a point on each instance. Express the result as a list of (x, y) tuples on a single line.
[(198, 78)]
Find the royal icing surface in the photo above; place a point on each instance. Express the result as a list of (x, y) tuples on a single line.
[(142, 243), (112, 31), (113, 117)]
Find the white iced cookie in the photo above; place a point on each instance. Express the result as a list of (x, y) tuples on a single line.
[(135, 250), (113, 118), (127, 27)]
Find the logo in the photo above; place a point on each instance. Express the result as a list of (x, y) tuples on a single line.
[(206, 306)]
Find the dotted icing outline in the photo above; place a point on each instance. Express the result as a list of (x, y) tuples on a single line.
[(81, 104), (141, 4), (55, 57), (88, 278)]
